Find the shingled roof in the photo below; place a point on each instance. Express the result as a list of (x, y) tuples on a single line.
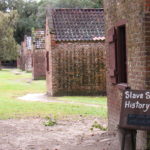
[(77, 24)]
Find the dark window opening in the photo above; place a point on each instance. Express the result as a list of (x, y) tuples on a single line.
[(9, 63), (47, 61), (121, 55)]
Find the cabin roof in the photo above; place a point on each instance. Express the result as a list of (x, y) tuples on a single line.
[(77, 24)]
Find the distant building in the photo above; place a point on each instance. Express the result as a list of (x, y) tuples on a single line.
[(24, 61), (39, 69), (75, 52)]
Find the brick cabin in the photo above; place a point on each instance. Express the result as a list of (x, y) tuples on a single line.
[(39, 69), (75, 52), (128, 55), (24, 61)]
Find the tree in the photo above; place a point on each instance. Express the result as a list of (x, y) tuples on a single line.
[(71, 3), (8, 45), (44, 4), (32, 13), (27, 11), (79, 3), (27, 20)]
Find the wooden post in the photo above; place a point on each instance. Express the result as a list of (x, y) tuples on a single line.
[(133, 138)]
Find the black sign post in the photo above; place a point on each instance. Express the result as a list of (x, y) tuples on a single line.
[(135, 113)]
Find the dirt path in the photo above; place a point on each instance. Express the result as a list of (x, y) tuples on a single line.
[(43, 98), (31, 134)]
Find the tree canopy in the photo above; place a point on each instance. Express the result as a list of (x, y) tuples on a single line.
[(43, 4), (8, 45), (32, 13), (27, 19), (27, 11)]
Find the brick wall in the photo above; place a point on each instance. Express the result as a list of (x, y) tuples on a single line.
[(20, 62), (48, 55), (39, 65), (24, 60), (138, 64), (77, 69), (146, 53), (28, 60), (21, 59)]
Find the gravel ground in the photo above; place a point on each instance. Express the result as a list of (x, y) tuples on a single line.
[(68, 134)]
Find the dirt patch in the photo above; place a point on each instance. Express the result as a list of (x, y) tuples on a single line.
[(31, 134), (17, 72), (44, 98)]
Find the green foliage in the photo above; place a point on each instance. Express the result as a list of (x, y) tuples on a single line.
[(32, 13), (27, 20), (27, 11), (8, 46), (98, 126), (78, 4), (71, 3), (44, 4), (50, 121), (6, 5)]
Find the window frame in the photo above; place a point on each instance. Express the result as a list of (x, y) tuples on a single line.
[(112, 39)]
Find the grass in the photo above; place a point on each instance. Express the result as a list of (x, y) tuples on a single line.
[(13, 85), (85, 99)]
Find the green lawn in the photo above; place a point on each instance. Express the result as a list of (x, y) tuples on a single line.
[(13, 85), (85, 99)]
